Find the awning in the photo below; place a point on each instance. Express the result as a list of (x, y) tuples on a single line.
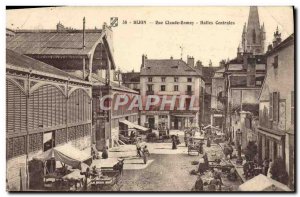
[(133, 125), (70, 155), (263, 183), (66, 154), (185, 115)]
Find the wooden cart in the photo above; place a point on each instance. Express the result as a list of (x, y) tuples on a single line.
[(194, 144)]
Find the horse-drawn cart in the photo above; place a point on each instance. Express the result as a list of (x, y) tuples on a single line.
[(195, 144)]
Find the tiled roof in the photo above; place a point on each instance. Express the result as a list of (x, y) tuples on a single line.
[(52, 42), (24, 62), (168, 67), (239, 67), (115, 86), (219, 73), (131, 77)]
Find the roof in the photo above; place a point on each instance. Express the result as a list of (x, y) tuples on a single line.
[(115, 86), (52, 42), (168, 67), (24, 62), (219, 73), (263, 183), (287, 42), (239, 67), (208, 73), (131, 77)]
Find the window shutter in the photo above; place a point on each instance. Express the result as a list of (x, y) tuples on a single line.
[(271, 107)]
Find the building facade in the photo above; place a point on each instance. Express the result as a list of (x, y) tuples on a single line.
[(46, 107), (81, 53), (217, 109), (276, 105), (244, 76), (170, 78), (131, 80)]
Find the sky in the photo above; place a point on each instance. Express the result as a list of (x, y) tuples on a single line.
[(130, 41)]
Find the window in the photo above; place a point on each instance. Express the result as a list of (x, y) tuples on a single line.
[(163, 88), (292, 107), (175, 87), (189, 88), (258, 83), (189, 79), (163, 79), (275, 63), (150, 87), (149, 79), (175, 79)]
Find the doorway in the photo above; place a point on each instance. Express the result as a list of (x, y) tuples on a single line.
[(151, 121)]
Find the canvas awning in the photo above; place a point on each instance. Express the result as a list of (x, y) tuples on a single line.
[(185, 115), (133, 125), (66, 154), (263, 183)]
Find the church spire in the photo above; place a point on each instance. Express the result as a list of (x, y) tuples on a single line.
[(253, 35)]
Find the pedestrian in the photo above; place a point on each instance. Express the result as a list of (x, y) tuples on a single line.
[(201, 167), (217, 176), (269, 170), (146, 153), (138, 148), (265, 166), (174, 145), (199, 184), (105, 153)]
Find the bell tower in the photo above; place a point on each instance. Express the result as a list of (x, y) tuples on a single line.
[(253, 36)]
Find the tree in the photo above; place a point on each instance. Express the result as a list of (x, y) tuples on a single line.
[(250, 151), (278, 171)]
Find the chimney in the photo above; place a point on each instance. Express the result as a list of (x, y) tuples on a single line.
[(199, 66), (210, 63), (277, 38), (222, 63), (171, 57), (83, 34), (190, 61), (144, 57)]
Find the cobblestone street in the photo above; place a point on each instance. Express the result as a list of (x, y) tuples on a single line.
[(169, 171)]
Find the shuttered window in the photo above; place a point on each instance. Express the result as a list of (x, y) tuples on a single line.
[(276, 106), (271, 107), (46, 107), (16, 109)]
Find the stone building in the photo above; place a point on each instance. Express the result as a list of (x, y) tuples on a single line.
[(167, 78), (46, 107), (244, 76), (217, 109), (131, 80), (276, 105)]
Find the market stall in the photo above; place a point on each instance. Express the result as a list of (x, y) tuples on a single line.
[(263, 183), (71, 160)]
